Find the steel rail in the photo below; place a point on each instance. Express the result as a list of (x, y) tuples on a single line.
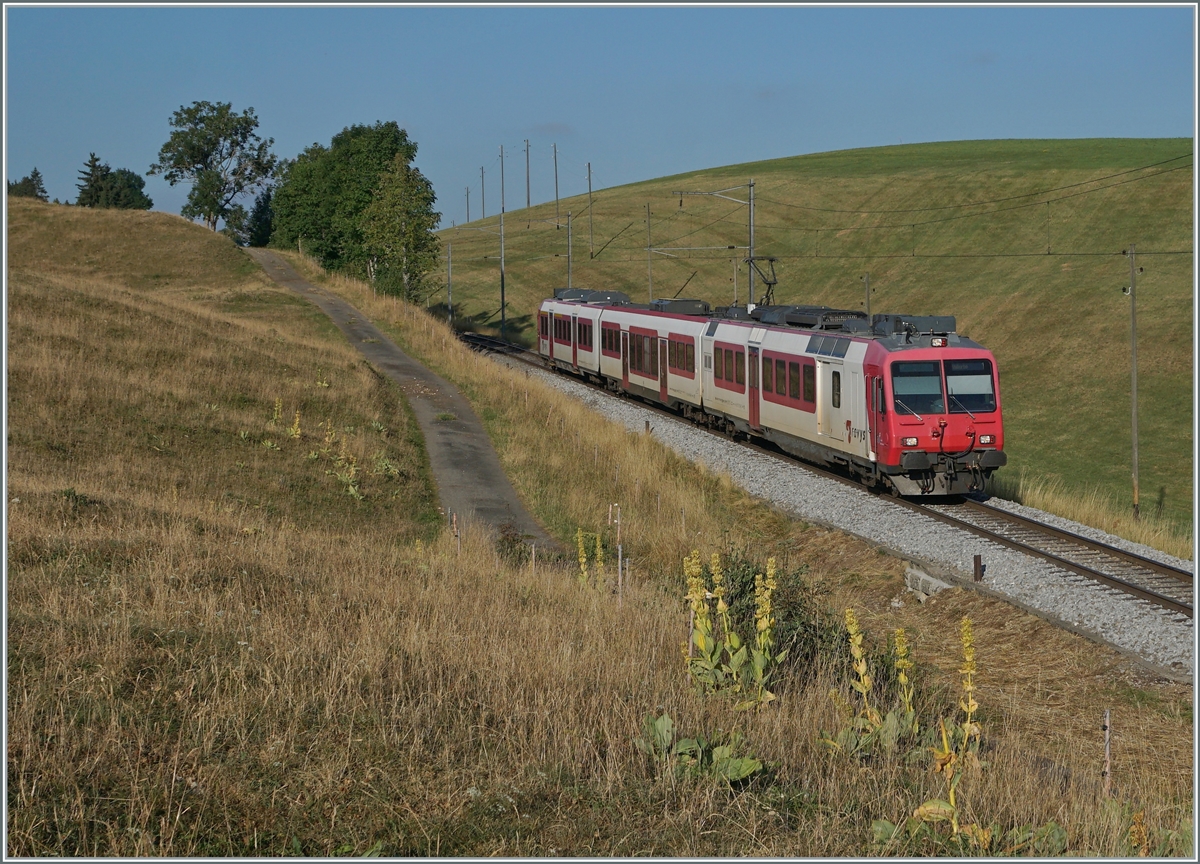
[(1068, 536)]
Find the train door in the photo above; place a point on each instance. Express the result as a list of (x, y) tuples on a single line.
[(829, 399), (625, 359), (662, 370), (856, 409), (875, 413), (575, 341), (752, 385)]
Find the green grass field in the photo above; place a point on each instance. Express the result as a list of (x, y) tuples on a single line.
[(1021, 240)]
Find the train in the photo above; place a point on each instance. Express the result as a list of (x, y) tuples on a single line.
[(903, 403)]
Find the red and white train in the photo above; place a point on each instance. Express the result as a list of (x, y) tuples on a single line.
[(900, 401)]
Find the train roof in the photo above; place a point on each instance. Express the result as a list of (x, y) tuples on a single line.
[(893, 331)]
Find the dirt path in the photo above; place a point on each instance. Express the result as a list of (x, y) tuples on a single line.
[(466, 469)]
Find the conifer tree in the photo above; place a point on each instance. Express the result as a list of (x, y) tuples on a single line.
[(30, 186)]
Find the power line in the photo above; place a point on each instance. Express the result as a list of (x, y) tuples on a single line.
[(992, 201), (961, 216)]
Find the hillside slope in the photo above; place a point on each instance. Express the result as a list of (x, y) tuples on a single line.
[(1021, 240)]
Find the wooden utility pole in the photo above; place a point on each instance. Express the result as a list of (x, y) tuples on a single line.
[(867, 282), (502, 321), (555, 185), (591, 242), (568, 249), (526, 173), (468, 203), (450, 282), (750, 280), (1133, 271), (482, 194), (649, 273)]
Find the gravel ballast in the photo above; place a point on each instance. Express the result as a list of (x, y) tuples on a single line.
[(1160, 638)]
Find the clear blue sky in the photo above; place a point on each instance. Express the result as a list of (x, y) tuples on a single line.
[(639, 92)]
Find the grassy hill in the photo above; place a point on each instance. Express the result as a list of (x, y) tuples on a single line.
[(234, 629), (1021, 240)]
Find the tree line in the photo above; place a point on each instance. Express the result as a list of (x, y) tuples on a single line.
[(99, 186), (358, 205)]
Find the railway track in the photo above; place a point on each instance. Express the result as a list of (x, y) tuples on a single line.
[(1161, 584)]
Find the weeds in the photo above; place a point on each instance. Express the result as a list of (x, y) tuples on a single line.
[(681, 757), (723, 664)]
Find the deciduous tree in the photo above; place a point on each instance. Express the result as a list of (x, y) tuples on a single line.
[(322, 193), (219, 152), (397, 228)]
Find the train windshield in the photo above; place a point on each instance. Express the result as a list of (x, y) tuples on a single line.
[(917, 387), (969, 386)]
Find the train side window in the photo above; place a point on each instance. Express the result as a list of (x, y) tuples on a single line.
[(780, 377), (691, 357), (837, 390), (652, 347), (718, 363), (767, 377), (739, 367), (728, 364), (794, 380), (810, 383)]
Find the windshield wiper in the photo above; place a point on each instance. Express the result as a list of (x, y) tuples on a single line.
[(909, 410), (962, 406)]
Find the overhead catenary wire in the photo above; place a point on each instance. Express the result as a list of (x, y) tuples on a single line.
[(960, 216), (982, 203)]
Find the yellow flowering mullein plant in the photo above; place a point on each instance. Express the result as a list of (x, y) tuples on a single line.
[(970, 729), (858, 655), (599, 562), (903, 665), (583, 570), (960, 744), (704, 665)]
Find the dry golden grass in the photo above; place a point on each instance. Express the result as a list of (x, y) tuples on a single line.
[(1037, 683), (207, 659)]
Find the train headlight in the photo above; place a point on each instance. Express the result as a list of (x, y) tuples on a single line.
[(908, 442), (987, 439)]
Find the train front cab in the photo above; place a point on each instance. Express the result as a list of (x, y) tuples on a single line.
[(936, 420)]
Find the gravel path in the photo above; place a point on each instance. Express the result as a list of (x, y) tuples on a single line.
[(1157, 637)]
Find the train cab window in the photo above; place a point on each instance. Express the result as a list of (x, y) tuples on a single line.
[(836, 396), (767, 377), (794, 380), (718, 363), (917, 387), (810, 383), (691, 357), (969, 386), (781, 377), (728, 364), (739, 367)]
